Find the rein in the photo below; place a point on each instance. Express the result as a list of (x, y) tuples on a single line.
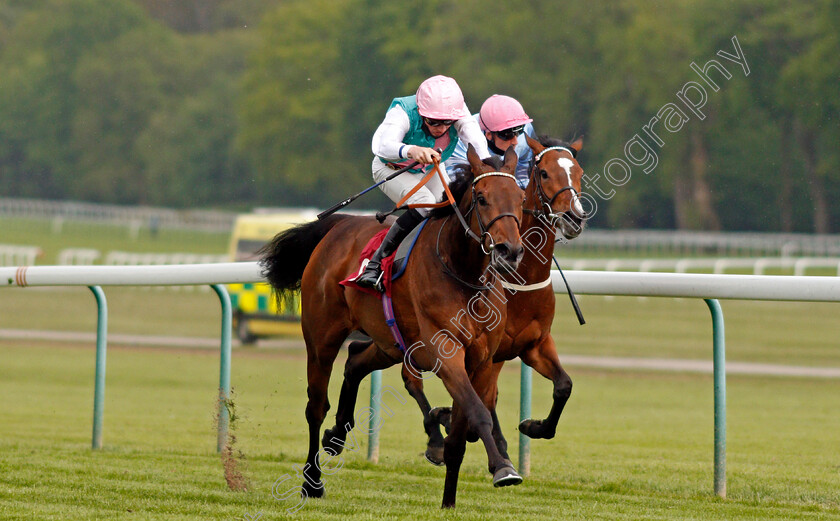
[(448, 270), (450, 200)]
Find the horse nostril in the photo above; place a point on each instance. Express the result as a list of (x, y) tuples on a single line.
[(509, 253)]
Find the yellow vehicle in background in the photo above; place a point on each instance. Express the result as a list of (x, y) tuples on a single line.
[(256, 314)]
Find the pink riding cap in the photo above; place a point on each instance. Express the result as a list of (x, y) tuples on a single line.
[(440, 97), (500, 113)]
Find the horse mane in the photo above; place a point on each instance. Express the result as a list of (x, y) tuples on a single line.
[(548, 141), (463, 180)]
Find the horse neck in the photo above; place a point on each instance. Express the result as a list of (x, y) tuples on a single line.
[(461, 252), (536, 264)]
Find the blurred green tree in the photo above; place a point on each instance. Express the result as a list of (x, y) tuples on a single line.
[(38, 93)]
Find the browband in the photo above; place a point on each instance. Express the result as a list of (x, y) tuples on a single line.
[(538, 156), (492, 173)]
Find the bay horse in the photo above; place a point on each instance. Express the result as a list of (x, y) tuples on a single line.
[(550, 201), (440, 280)]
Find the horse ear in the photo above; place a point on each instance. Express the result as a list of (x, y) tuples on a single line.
[(535, 145), (511, 159), (577, 144), (475, 162)]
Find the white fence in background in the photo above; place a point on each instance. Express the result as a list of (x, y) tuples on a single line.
[(757, 266), (14, 255), (689, 243), (123, 258), (78, 256), (25, 255), (656, 242), (132, 216)]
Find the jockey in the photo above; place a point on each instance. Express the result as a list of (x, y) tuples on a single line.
[(503, 120), (414, 127)]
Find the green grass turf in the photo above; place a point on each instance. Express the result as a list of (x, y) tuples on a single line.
[(630, 445)]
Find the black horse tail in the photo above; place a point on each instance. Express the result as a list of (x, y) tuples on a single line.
[(286, 256)]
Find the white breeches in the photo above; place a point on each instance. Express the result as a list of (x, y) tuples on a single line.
[(395, 189)]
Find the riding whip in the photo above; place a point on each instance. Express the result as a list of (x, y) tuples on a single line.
[(571, 294), (331, 210)]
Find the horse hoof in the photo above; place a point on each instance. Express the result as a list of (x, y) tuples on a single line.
[(434, 455), (335, 447), (309, 491), (506, 477), (442, 415), (535, 429)]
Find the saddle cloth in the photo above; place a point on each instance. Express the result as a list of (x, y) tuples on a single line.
[(393, 266)]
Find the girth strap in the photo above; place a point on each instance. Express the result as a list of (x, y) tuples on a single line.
[(391, 322)]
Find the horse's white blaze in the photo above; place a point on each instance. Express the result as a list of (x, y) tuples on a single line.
[(567, 164)]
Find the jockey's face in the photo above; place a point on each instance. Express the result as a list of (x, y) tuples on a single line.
[(501, 144), (436, 127)]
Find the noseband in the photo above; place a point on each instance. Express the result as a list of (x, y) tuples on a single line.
[(544, 205)]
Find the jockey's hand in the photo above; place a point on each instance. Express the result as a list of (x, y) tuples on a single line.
[(424, 155)]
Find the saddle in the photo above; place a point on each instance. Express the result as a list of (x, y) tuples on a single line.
[(393, 266)]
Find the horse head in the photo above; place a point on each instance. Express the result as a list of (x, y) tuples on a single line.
[(496, 202), (556, 177)]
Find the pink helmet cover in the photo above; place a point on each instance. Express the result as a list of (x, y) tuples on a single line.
[(440, 97), (501, 112)]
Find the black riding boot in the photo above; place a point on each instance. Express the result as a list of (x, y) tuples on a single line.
[(371, 277)]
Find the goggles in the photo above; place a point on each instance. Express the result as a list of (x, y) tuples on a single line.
[(438, 122), (509, 133)]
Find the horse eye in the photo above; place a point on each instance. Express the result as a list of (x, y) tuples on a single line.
[(544, 174), (481, 200)]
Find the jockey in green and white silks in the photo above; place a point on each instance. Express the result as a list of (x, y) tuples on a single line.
[(503, 121), (436, 117)]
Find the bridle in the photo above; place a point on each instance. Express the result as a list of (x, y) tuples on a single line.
[(544, 202), (483, 228), (544, 209)]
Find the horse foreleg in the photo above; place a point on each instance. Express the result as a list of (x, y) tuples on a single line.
[(361, 361), (434, 447), (466, 396), (543, 358)]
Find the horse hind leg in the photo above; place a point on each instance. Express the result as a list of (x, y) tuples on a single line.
[(363, 358), (434, 447), (321, 355), (545, 361), (455, 446)]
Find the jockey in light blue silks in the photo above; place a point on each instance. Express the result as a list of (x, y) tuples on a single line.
[(503, 120), (414, 127)]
